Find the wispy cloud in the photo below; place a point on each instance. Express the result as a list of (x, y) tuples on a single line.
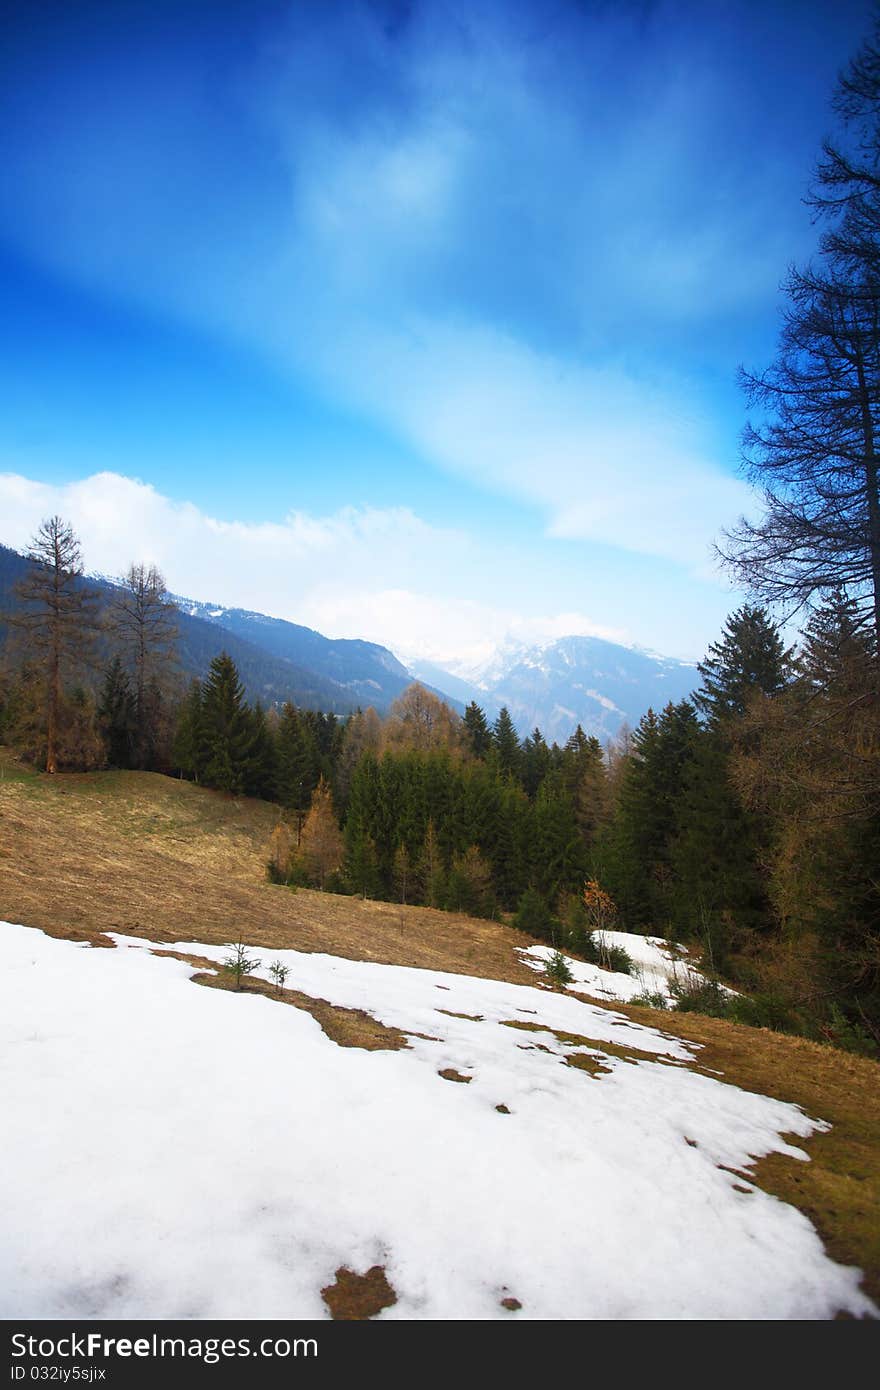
[(456, 222)]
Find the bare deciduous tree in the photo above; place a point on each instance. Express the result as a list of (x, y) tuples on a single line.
[(143, 619), (814, 453), (57, 619)]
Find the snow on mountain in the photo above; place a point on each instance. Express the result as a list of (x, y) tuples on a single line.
[(243, 1157), (559, 684)]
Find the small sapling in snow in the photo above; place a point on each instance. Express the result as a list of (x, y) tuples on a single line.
[(279, 974), (557, 969), (239, 963)]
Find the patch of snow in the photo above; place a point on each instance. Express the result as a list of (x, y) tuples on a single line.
[(658, 968), (179, 1152), (604, 701)]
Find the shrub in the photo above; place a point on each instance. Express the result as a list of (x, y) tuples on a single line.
[(618, 959), (700, 997), (845, 1033), (534, 916), (763, 1010), (279, 973), (650, 1000)]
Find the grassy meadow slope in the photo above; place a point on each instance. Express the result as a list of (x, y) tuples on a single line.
[(145, 855)]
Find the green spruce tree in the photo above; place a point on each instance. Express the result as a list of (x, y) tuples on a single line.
[(226, 728)]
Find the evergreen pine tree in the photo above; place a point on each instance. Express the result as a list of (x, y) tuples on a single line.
[(586, 780), (534, 916), (750, 658), (297, 763), (116, 715), (226, 728), (261, 772), (535, 762), (187, 747), (558, 855), (506, 745), (838, 649), (477, 732), (360, 864)]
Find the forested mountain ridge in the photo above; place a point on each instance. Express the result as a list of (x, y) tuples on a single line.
[(317, 678), (368, 673)]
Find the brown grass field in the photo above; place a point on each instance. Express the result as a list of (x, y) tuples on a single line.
[(82, 854)]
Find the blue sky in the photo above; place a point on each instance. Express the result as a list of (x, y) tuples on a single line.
[(418, 322)]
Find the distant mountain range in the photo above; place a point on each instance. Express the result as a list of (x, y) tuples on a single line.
[(573, 680), (554, 686)]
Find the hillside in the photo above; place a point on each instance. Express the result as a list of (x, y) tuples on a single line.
[(153, 860)]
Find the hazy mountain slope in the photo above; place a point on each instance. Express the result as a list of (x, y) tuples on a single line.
[(364, 672), (266, 676), (277, 660), (592, 682), (574, 680)]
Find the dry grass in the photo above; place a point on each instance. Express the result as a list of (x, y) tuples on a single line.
[(356, 1297), (145, 855)]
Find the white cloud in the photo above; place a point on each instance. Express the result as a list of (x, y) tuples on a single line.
[(461, 634), (340, 574)]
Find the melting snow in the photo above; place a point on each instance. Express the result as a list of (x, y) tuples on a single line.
[(180, 1152), (658, 968)]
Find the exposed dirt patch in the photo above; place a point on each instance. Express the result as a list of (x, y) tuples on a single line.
[(627, 1054), (471, 1018), (450, 1074), (356, 1297), (346, 1027), (511, 1304), (200, 962), (585, 1061)]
